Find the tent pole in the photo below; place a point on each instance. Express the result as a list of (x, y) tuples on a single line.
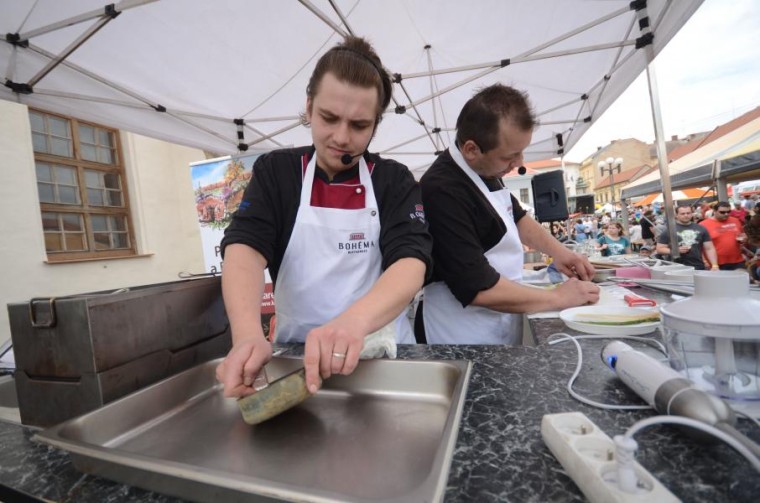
[(721, 185), (419, 118), (275, 133), (412, 140), (432, 90), (86, 16), (662, 156), (519, 59), (314, 10), (524, 56), (262, 133), (662, 151), (342, 17), (624, 217), (73, 46)]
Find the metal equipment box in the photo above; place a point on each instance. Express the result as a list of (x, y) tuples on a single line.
[(76, 353)]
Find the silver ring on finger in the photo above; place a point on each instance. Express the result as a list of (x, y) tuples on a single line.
[(340, 356)]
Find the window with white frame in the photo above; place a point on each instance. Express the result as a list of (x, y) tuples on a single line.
[(82, 189)]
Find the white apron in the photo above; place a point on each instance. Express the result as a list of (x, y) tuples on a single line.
[(333, 258), (446, 321)]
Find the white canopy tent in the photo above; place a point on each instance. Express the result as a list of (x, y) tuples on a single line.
[(231, 74)]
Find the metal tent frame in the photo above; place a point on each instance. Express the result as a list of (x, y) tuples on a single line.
[(62, 65)]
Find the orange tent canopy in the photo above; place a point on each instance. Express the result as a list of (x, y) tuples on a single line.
[(678, 195)]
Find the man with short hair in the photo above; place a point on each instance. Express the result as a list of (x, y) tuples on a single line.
[(693, 240), (479, 230), (727, 235)]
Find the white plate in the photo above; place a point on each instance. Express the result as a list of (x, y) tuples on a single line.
[(569, 316)]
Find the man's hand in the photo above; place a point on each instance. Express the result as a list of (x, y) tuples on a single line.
[(574, 264), (332, 349), (574, 292), (242, 364)]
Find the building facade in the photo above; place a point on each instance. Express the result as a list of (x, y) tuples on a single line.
[(90, 209)]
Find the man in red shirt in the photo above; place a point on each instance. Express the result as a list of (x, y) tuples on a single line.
[(727, 235), (739, 213)]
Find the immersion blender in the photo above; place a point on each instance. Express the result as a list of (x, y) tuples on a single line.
[(668, 392)]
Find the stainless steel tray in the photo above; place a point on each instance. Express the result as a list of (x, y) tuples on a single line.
[(385, 433)]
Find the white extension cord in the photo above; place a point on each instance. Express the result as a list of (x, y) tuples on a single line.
[(605, 470), (591, 458)]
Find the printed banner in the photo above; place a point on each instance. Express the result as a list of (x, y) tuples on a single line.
[(219, 185)]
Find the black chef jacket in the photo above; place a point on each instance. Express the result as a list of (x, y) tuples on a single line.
[(464, 226), (267, 213)]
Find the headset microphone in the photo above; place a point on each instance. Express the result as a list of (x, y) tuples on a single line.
[(347, 159), (522, 170)]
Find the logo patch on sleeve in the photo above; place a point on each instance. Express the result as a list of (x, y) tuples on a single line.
[(418, 213)]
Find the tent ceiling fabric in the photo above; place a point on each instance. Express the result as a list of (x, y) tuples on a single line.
[(209, 63)]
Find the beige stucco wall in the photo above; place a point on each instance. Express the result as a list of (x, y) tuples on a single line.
[(635, 153), (572, 172), (163, 210)]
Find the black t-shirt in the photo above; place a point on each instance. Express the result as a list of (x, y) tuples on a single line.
[(464, 226), (692, 235), (267, 213)]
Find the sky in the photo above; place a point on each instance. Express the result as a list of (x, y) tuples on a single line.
[(707, 75)]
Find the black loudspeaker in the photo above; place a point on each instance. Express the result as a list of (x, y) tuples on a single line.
[(549, 196)]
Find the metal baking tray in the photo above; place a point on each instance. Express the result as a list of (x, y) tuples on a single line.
[(385, 433)]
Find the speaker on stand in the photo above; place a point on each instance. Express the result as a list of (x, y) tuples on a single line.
[(549, 196)]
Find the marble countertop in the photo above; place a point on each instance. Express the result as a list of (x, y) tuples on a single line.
[(499, 455)]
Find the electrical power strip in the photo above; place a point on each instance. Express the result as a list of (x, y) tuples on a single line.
[(588, 456)]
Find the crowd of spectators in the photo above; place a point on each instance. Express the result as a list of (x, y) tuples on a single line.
[(731, 229)]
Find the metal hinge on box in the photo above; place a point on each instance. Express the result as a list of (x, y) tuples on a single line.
[(33, 314)]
